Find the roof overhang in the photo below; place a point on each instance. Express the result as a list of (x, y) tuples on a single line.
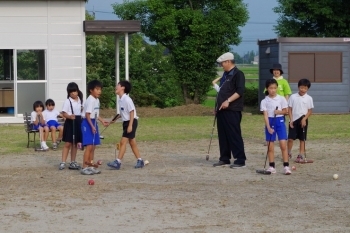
[(111, 27)]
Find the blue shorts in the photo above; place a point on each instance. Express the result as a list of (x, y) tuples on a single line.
[(280, 129), (53, 123), (36, 127), (88, 137)]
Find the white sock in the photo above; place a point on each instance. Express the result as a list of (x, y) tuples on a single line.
[(119, 161), (139, 159)]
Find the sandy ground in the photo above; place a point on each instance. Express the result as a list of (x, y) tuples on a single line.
[(177, 192)]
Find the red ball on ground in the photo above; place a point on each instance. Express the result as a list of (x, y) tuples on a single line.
[(294, 168), (99, 162), (91, 182)]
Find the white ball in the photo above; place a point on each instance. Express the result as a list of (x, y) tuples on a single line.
[(146, 162), (335, 176)]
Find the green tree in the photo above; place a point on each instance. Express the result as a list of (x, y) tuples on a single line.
[(151, 74), (196, 32), (305, 18)]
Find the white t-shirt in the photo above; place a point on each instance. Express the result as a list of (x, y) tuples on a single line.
[(269, 104), (50, 115), (33, 116), (92, 106), (126, 105), (76, 105), (300, 105)]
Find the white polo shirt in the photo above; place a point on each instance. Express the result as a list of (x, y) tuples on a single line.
[(76, 105), (50, 115), (33, 116), (126, 105), (92, 106), (269, 104), (300, 105)]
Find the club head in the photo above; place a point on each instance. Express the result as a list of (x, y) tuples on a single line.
[(264, 172), (102, 137), (207, 157), (306, 161)]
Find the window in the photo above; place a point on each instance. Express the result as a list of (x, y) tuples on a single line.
[(319, 67), (30, 65)]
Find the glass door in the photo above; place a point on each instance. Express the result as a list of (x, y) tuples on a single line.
[(30, 73)]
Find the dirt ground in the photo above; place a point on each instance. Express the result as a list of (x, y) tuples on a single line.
[(179, 191)]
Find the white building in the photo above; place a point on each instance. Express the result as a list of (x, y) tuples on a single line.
[(42, 49)]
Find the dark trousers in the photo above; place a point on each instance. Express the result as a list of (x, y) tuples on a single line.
[(230, 136)]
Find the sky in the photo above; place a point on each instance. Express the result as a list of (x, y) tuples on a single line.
[(259, 26)]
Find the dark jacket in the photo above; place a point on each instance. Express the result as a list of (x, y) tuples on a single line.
[(234, 81)]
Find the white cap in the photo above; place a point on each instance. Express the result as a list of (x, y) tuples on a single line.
[(225, 57)]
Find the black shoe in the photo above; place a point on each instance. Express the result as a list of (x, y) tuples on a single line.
[(235, 165), (221, 163)]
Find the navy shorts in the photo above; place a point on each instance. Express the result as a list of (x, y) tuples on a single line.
[(280, 129), (88, 137), (298, 132), (36, 127), (53, 123), (132, 134)]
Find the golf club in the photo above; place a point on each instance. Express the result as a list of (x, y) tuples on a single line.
[(211, 138), (264, 172), (305, 160), (114, 118)]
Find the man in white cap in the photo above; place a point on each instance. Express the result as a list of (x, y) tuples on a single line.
[(229, 107)]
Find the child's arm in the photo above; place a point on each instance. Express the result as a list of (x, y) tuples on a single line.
[(308, 114), (88, 118), (103, 121), (215, 81), (66, 116), (131, 121), (267, 123), (290, 114)]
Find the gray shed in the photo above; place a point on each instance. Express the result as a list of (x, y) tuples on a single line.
[(324, 61)]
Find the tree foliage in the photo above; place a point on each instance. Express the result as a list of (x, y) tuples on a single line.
[(196, 32), (151, 74), (305, 18)]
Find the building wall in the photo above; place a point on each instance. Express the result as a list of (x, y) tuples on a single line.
[(265, 63), (328, 97), (57, 27)]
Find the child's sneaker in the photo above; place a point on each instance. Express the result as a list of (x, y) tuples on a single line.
[(299, 159), (290, 155), (94, 170), (44, 146), (86, 171), (139, 163), (287, 170), (59, 141), (74, 166), (115, 164), (62, 166), (54, 146), (272, 170)]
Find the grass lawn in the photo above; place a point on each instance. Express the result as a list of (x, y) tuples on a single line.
[(326, 127)]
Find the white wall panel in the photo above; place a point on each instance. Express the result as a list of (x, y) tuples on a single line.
[(23, 8)]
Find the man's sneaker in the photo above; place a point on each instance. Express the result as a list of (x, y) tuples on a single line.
[(272, 170), (94, 170), (62, 166), (221, 163), (86, 171), (236, 165), (299, 159), (74, 166), (287, 170), (54, 146), (139, 163), (115, 164)]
